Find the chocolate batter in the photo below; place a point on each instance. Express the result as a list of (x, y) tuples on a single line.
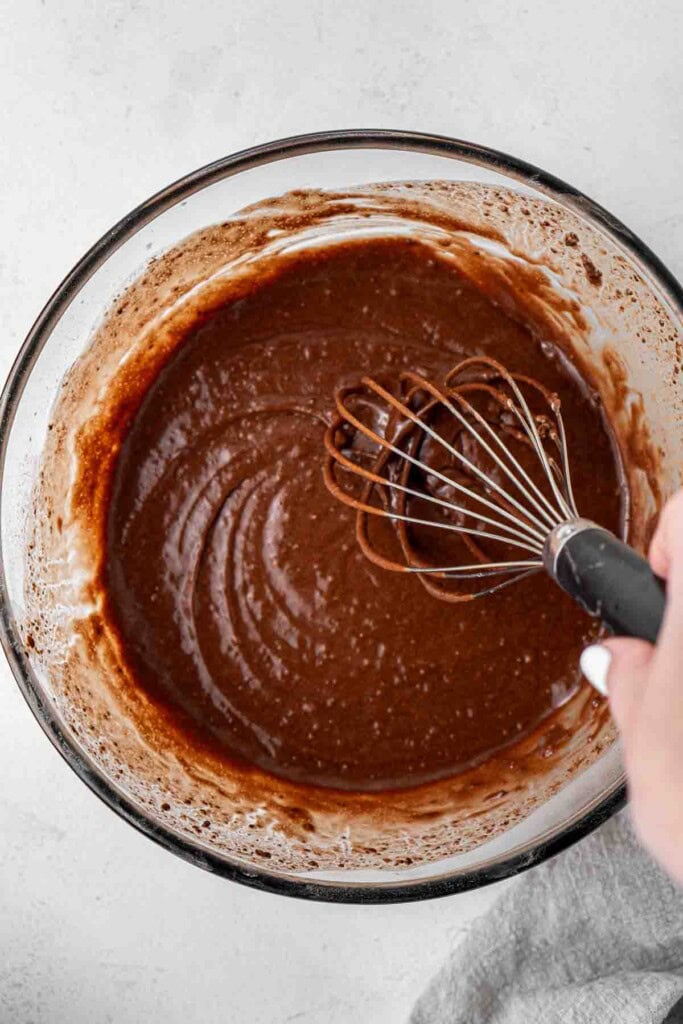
[(243, 604)]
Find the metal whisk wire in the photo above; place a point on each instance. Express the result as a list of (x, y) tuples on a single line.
[(515, 512)]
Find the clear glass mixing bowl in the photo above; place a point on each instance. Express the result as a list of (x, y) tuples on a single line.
[(328, 161)]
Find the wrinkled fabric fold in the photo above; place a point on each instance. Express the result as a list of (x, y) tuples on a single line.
[(594, 936)]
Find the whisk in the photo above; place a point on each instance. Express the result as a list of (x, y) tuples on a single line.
[(482, 460)]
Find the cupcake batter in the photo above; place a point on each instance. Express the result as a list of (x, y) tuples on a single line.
[(242, 603)]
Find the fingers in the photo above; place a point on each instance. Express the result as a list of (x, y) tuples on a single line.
[(619, 666), (628, 673), (666, 558), (624, 667), (667, 542)]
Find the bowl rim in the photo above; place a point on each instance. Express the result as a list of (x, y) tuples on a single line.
[(195, 852)]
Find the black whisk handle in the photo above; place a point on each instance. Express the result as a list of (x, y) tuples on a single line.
[(607, 578)]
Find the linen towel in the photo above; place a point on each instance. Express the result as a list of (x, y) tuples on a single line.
[(594, 936)]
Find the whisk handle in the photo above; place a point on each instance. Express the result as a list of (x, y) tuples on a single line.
[(607, 578)]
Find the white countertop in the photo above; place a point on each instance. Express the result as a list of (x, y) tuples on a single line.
[(101, 104)]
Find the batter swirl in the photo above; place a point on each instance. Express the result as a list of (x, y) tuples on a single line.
[(242, 602)]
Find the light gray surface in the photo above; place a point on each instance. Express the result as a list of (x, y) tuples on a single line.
[(102, 104)]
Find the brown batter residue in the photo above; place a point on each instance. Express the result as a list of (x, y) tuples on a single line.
[(232, 577)]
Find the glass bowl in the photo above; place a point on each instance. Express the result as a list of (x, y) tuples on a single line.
[(329, 161)]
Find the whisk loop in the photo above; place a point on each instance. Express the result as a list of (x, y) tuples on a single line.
[(441, 447)]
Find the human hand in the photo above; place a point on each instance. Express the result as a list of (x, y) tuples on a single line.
[(645, 689)]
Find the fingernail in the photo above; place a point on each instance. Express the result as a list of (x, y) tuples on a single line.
[(595, 662)]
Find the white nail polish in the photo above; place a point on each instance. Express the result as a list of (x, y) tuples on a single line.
[(595, 661)]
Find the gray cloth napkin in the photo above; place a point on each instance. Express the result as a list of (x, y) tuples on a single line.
[(594, 936)]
